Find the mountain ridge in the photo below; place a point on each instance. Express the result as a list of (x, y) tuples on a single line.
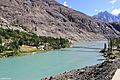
[(49, 18), (107, 17)]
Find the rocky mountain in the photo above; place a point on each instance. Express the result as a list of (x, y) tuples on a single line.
[(5, 25), (116, 25), (49, 18), (107, 17)]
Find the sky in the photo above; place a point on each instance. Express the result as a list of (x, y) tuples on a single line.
[(92, 7)]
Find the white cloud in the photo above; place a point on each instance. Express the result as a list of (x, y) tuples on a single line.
[(65, 4), (100, 10), (70, 7), (116, 11), (96, 10), (113, 7), (113, 1)]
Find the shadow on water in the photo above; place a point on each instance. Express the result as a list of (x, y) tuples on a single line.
[(79, 50), (100, 59), (84, 47), (85, 51)]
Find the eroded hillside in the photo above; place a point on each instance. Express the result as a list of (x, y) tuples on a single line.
[(49, 18)]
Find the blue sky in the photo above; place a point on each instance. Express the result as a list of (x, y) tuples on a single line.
[(92, 7)]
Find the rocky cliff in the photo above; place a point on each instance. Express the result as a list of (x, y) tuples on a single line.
[(49, 18), (116, 25)]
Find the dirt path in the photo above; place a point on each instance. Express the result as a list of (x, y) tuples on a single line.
[(117, 75)]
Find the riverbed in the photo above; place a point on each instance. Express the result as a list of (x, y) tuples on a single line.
[(37, 66)]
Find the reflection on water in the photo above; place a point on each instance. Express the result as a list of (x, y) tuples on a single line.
[(79, 50), (84, 47)]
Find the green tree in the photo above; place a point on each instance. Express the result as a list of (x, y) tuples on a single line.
[(1, 46), (15, 45)]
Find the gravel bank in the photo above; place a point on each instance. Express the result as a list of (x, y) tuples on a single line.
[(103, 71)]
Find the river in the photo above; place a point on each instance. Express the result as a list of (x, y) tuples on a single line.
[(37, 66)]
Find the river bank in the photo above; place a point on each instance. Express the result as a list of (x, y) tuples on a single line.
[(24, 50), (103, 71)]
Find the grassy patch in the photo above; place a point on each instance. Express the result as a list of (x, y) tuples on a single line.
[(27, 49), (24, 50)]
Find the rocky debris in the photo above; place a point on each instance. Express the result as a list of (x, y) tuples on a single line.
[(49, 18), (103, 71), (6, 25)]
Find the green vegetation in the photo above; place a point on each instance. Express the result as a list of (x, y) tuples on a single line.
[(113, 43), (14, 42), (113, 50)]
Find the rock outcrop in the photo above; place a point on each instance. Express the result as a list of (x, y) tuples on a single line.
[(6, 25), (116, 25), (49, 18)]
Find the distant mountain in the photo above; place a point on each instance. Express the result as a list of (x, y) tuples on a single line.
[(107, 17), (50, 18)]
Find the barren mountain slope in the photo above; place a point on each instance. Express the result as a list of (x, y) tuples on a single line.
[(49, 18)]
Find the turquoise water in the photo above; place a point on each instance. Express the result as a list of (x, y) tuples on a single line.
[(37, 66)]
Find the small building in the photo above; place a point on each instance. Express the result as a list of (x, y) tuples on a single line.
[(41, 47)]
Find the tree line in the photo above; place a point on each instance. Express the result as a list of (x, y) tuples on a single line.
[(18, 38)]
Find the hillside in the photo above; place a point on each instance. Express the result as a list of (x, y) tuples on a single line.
[(116, 25), (49, 18)]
